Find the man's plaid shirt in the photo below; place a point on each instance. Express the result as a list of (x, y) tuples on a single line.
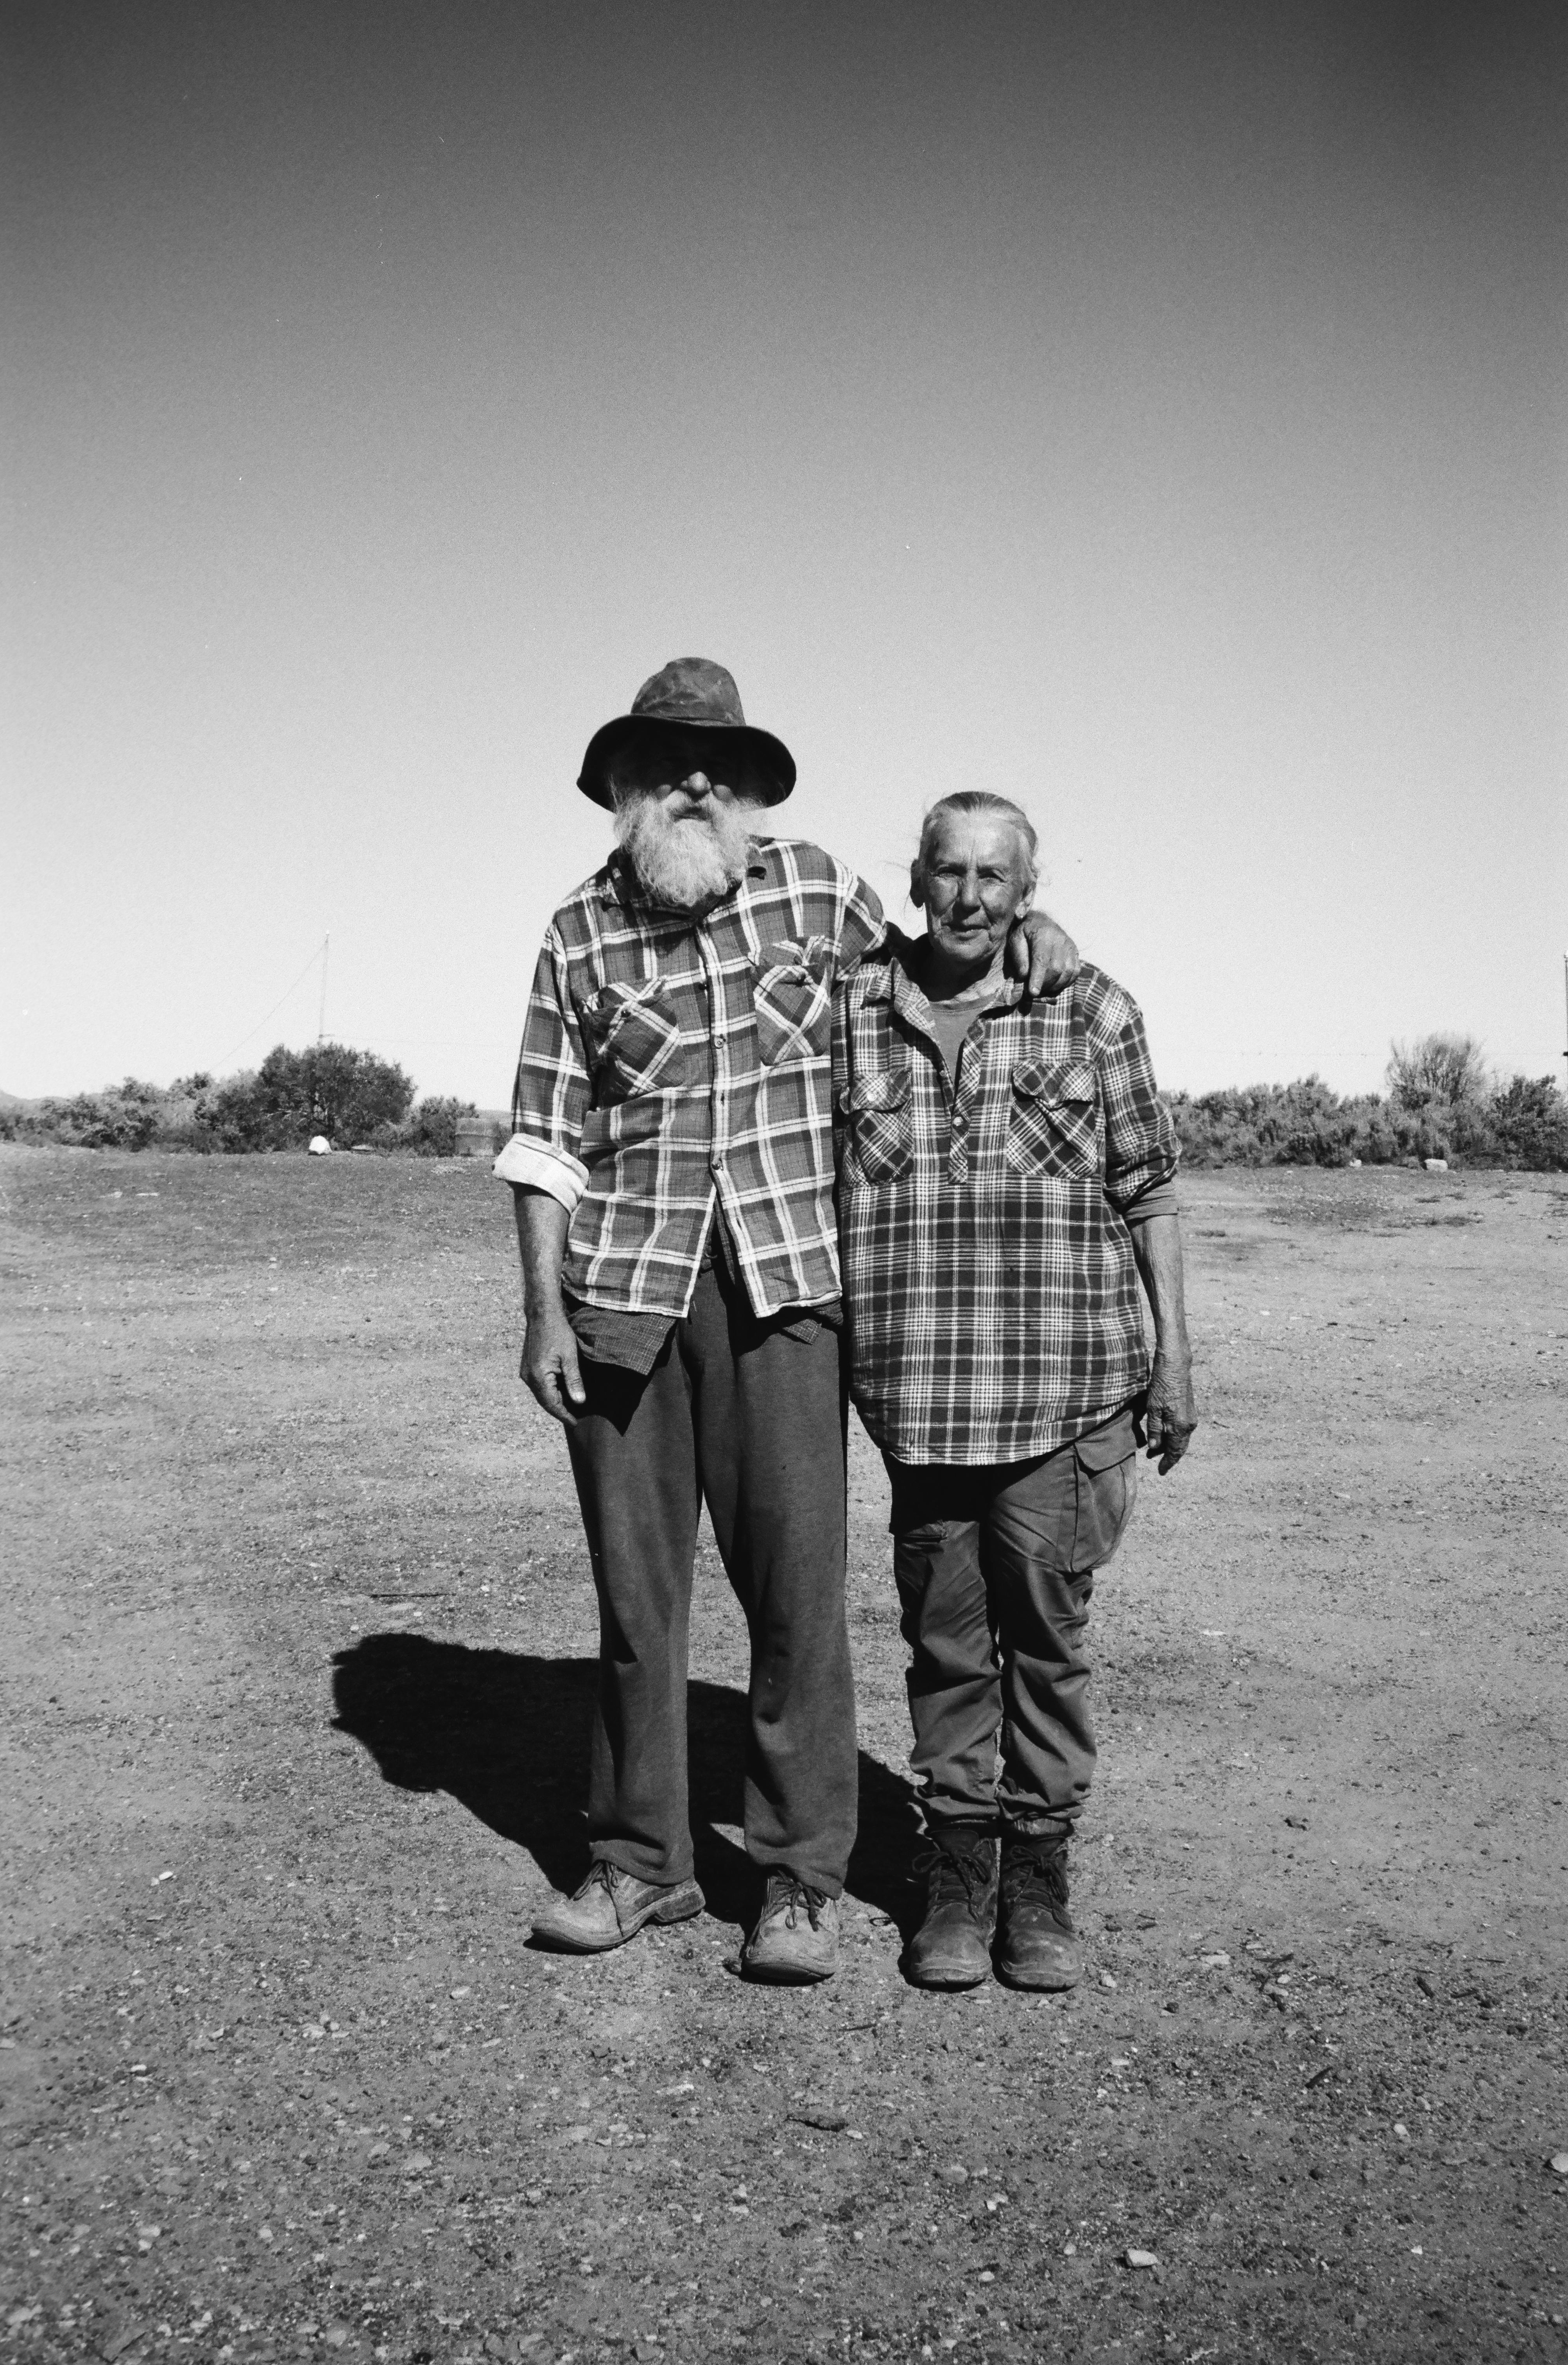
[(668, 1062), (988, 1277)]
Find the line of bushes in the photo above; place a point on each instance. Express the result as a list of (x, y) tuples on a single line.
[(352, 1098), (1442, 1102)]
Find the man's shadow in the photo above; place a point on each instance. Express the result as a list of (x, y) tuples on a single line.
[(507, 1735)]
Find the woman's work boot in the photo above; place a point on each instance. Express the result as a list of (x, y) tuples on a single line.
[(952, 1947), (1037, 1945)]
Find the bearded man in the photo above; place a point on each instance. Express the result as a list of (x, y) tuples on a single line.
[(672, 1163)]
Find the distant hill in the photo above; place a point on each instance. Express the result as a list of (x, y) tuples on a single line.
[(9, 1100)]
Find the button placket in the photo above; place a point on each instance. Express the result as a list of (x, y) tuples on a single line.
[(970, 1057), (718, 1043)]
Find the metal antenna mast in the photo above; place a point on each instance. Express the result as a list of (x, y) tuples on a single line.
[(321, 1022)]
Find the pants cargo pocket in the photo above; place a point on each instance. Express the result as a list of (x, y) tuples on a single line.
[(1105, 1500)]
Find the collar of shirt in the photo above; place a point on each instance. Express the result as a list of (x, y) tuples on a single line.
[(897, 986), (621, 888)]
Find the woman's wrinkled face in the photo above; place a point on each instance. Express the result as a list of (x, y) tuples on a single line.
[(974, 879)]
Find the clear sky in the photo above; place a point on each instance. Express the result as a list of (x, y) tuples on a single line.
[(1155, 411)]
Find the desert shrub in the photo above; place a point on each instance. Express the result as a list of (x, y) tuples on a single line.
[(348, 1095), (122, 1116), (431, 1130), (182, 1122), (1524, 1123), (327, 1088), (1440, 1072), (1530, 1119), (242, 1114), (1303, 1123)]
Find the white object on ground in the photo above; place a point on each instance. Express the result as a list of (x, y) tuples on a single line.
[(320, 1146)]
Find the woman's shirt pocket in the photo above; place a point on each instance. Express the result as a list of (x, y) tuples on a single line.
[(1053, 1122), (876, 1111)]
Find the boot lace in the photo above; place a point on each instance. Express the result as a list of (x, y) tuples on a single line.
[(1034, 1877), (954, 1874), (787, 1894)]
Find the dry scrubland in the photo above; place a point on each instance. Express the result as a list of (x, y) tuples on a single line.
[(298, 1657)]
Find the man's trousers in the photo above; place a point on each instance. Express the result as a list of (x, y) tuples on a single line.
[(995, 1570), (750, 1419)]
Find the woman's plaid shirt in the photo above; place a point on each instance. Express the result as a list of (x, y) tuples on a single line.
[(988, 1277), (669, 1061)]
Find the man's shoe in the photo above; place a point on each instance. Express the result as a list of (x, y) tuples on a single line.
[(611, 1907), (796, 1938), (952, 1947), (1036, 1946)]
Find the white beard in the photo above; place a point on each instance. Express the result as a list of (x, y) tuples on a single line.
[(684, 864)]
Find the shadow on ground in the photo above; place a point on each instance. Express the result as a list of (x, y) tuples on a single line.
[(506, 1734)]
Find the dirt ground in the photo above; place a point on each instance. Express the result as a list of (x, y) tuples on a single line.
[(298, 1655)]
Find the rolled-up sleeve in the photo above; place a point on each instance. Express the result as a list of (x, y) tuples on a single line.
[(1155, 1199), (1141, 1147), (552, 1091)]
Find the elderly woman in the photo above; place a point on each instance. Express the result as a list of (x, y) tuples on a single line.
[(1005, 1178)]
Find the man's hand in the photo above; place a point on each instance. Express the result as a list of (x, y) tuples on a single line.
[(550, 1351), (550, 1366), (1045, 954), (1172, 1414)]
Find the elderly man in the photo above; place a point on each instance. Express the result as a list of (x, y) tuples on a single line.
[(1005, 1178), (672, 1160)]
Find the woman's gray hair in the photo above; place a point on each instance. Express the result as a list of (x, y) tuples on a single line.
[(979, 800)]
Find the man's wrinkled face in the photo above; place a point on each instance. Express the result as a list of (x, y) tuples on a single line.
[(684, 827), (686, 770), (975, 879)]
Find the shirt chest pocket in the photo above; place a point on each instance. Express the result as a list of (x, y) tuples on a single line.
[(1052, 1125), (878, 1116), (634, 1042), (792, 996)]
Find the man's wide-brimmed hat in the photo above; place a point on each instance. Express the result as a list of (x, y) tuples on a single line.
[(687, 695)]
